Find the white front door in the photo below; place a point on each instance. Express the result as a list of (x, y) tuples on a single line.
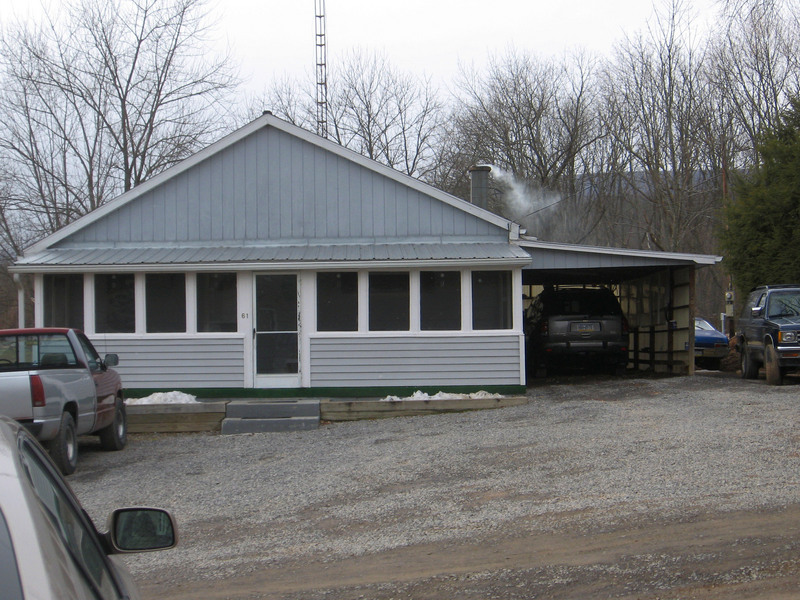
[(276, 331)]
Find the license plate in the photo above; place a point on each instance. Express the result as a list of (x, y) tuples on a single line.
[(584, 327)]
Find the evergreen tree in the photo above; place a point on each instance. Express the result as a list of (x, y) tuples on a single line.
[(761, 239)]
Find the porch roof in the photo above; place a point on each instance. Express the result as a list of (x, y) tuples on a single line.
[(248, 257)]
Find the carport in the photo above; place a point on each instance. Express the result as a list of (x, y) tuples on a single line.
[(656, 291)]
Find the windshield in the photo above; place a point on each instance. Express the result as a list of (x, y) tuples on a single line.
[(784, 304), (703, 324)]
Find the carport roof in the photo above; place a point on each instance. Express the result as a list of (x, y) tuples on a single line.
[(553, 262)]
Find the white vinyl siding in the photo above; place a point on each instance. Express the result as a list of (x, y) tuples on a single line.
[(416, 360), (177, 361)]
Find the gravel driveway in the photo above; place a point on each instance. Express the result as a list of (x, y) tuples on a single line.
[(586, 455)]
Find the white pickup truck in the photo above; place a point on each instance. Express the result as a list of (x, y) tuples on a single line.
[(53, 381)]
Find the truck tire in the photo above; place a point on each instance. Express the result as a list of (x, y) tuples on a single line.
[(115, 436), (772, 366), (749, 366), (64, 448)]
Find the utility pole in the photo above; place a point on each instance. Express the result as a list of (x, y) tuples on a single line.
[(322, 70)]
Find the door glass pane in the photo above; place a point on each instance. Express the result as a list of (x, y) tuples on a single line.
[(276, 353), (276, 324)]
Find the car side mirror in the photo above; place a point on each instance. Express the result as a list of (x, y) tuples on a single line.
[(756, 312), (141, 530), (111, 360)]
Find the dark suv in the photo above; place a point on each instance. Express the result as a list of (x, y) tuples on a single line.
[(575, 325), (769, 332)]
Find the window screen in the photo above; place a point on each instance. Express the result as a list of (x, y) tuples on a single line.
[(491, 300), (115, 309), (337, 301), (63, 301), (166, 302), (389, 302), (440, 300), (216, 302)]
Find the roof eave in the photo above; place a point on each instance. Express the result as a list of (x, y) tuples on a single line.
[(701, 259), (339, 265)]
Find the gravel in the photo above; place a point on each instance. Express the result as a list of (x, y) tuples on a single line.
[(586, 452)]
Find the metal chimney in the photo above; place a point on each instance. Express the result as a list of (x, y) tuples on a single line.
[(479, 193)]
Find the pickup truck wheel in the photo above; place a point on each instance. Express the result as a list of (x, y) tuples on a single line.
[(115, 436), (749, 367), (772, 366), (64, 448)]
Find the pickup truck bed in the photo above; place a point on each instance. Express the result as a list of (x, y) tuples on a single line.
[(53, 381)]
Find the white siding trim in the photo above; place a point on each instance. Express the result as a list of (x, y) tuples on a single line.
[(307, 284), (245, 299), (88, 304), (414, 311), (38, 300), (466, 300), (191, 302), (363, 301), (140, 303)]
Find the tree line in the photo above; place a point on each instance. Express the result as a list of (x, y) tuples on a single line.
[(639, 149)]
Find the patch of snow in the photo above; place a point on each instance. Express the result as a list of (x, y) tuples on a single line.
[(164, 398), (418, 395)]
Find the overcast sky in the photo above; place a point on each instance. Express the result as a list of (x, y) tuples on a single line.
[(270, 38)]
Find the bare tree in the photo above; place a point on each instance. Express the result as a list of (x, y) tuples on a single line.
[(532, 118), (755, 70), (100, 98), (660, 98), (373, 108)]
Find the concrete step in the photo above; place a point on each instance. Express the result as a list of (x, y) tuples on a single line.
[(271, 409), (270, 415), (232, 426)]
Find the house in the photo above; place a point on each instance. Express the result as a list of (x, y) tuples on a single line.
[(276, 262)]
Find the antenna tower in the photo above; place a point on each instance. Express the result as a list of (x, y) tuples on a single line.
[(322, 70)]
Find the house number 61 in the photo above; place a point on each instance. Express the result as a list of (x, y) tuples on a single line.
[(245, 315)]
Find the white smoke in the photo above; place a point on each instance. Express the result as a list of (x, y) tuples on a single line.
[(524, 203)]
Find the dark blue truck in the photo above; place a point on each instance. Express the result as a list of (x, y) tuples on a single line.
[(769, 332)]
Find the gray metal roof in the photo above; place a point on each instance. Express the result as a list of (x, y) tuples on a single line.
[(261, 256), (553, 255), (567, 263)]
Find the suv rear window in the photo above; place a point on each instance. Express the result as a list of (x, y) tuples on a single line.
[(582, 302)]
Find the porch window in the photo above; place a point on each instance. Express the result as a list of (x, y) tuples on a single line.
[(440, 300), (491, 300), (216, 302), (389, 302), (337, 301), (165, 297), (115, 308), (63, 301)]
